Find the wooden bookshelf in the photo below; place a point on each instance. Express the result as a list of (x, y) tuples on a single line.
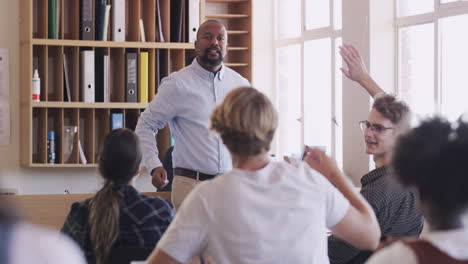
[(56, 111)]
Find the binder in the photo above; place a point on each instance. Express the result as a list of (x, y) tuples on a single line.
[(193, 19), (100, 18), (52, 19), (143, 77), (116, 120), (131, 70), (87, 76), (86, 20), (118, 20)]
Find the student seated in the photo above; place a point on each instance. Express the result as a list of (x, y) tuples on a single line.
[(432, 159), (265, 211), (118, 218), (23, 243)]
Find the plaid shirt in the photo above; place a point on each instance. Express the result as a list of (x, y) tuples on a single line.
[(143, 220), (394, 207)]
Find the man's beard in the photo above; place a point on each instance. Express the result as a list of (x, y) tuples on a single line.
[(212, 62)]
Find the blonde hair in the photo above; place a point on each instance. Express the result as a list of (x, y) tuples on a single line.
[(246, 122)]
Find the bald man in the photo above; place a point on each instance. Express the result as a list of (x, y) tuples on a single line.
[(185, 100)]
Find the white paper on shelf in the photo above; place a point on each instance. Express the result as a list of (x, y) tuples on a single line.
[(82, 155), (5, 119)]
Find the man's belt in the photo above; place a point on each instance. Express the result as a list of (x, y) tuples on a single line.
[(193, 174)]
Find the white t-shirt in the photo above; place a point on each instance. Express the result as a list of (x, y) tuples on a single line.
[(30, 244), (278, 214), (454, 243)]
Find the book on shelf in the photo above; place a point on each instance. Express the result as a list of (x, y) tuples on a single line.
[(143, 77)]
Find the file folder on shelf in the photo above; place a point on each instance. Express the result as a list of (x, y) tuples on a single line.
[(87, 76), (118, 20), (131, 71), (193, 19), (143, 77), (86, 20)]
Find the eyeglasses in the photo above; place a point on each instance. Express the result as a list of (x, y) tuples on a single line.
[(374, 127)]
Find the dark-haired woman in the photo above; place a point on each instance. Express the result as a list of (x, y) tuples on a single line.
[(433, 160), (118, 218)]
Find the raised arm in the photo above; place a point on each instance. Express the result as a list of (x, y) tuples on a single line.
[(357, 70), (359, 226)]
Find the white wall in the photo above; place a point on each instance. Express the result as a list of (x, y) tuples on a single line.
[(46, 180)]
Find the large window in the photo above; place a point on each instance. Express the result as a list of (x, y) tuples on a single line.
[(433, 41), (308, 84)]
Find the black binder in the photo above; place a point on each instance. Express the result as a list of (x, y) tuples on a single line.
[(131, 75), (86, 20)]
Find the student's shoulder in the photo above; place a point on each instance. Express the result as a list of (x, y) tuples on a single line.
[(53, 247)]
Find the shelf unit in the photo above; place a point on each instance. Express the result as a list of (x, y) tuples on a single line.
[(54, 112)]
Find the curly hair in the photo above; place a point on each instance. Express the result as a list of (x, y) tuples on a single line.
[(246, 122), (391, 108), (433, 158)]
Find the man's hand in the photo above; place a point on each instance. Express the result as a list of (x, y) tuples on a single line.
[(356, 69), (159, 177)]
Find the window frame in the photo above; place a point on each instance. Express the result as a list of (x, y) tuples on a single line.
[(308, 35), (440, 11)]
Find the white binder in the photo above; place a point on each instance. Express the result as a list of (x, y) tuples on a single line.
[(118, 20), (193, 19), (87, 76)]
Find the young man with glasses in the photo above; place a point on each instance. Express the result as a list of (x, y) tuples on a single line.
[(395, 207)]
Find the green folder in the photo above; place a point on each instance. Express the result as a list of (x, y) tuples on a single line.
[(53, 19)]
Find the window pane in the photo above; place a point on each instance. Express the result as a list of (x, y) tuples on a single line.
[(337, 14), (288, 23), (453, 73), (414, 7), (338, 105), (317, 93), (416, 69), (289, 96), (317, 13)]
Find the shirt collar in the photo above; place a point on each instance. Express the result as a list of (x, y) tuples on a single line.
[(220, 74), (375, 174)]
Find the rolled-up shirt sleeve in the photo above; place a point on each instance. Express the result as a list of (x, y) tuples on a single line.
[(156, 116)]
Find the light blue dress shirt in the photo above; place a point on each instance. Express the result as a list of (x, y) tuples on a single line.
[(185, 100)]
